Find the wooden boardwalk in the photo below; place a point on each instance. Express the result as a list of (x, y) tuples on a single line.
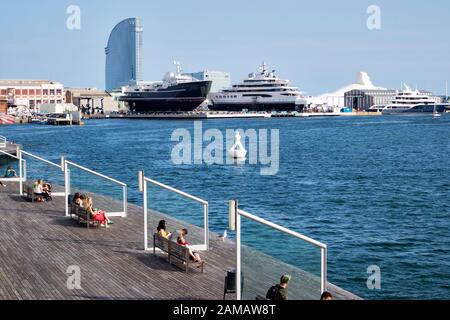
[(38, 244)]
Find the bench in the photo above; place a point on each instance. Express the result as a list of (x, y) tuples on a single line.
[(29, 193), (174, 250), (82, 215)]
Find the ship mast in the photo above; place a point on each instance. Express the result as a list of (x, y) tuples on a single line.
[(446, 90)]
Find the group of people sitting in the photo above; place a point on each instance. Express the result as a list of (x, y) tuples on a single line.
[(179, 236), (87, 203), (43, 191), (10, 173)]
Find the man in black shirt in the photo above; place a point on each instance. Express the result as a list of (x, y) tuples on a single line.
[(280, 291)]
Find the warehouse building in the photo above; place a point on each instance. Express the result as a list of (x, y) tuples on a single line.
[(31, 93)]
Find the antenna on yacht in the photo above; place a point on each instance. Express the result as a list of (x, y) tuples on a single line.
[(446, 90), (178, 67)]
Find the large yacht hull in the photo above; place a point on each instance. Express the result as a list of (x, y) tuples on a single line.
[(418, 109), (257, 107), (183, 97)]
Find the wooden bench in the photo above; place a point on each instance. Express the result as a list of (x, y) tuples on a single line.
[(174, 250), (82, 215), (29, 193)]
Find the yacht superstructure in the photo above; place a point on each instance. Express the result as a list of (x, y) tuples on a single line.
[(262, 91), (413, 101)]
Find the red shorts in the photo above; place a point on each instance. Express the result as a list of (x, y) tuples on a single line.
[(100, 216)]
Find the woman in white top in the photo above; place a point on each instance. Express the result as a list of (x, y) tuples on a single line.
[(39, 190)]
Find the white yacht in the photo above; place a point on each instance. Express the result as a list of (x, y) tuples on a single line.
[(262, 91), (410, 101)]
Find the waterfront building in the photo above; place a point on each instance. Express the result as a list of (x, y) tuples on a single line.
[(124, 54), (336, 99), (92, 100), (30, 93), (220, 80), (363, 100)]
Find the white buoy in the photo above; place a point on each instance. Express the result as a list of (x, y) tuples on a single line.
[(238, 151)]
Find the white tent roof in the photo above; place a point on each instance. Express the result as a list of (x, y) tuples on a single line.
[(363, 82)]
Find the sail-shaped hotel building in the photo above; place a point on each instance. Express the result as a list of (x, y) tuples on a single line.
[(124, 54)]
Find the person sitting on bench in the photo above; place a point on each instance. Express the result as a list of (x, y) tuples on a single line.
[(194, 256), (41, 191), (162, 230), (97, 215), (78, 199), (10, 173)]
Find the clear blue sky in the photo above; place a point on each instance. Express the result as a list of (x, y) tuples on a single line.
[(320, 45)]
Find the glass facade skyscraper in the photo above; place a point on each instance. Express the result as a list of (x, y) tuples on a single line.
[(124, 54)]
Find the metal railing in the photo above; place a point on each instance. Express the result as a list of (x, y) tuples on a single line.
[(23, 169), (22, 173), (143, 184), (236, 213), (119, 183)]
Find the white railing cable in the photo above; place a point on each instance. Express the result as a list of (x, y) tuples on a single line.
[(282, 229), (181, 193), (40, 159), (96, 173)]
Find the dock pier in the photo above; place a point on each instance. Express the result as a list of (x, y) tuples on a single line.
[(38, 245)]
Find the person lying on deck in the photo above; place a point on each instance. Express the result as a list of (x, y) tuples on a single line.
[(193, 255), (42, 191), (97, 215), (162, 230), (10, 173)]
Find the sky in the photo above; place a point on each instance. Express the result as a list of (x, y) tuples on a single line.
[(319, 45)]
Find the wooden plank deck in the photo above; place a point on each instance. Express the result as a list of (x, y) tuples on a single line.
[(38, 244)]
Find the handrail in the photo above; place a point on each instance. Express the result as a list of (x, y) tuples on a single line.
[(181, 193), (10, 155), (323, 248), (41, 159), (204, 203), (282, 229), (96, 173)]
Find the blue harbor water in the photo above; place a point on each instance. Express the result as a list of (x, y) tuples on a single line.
[(375, 189)]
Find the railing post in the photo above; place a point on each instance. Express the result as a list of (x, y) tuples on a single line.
[(66, 185), (125, 201), (20, 172), (144, 192), (238, 251), (206, 218), (324, 276)]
